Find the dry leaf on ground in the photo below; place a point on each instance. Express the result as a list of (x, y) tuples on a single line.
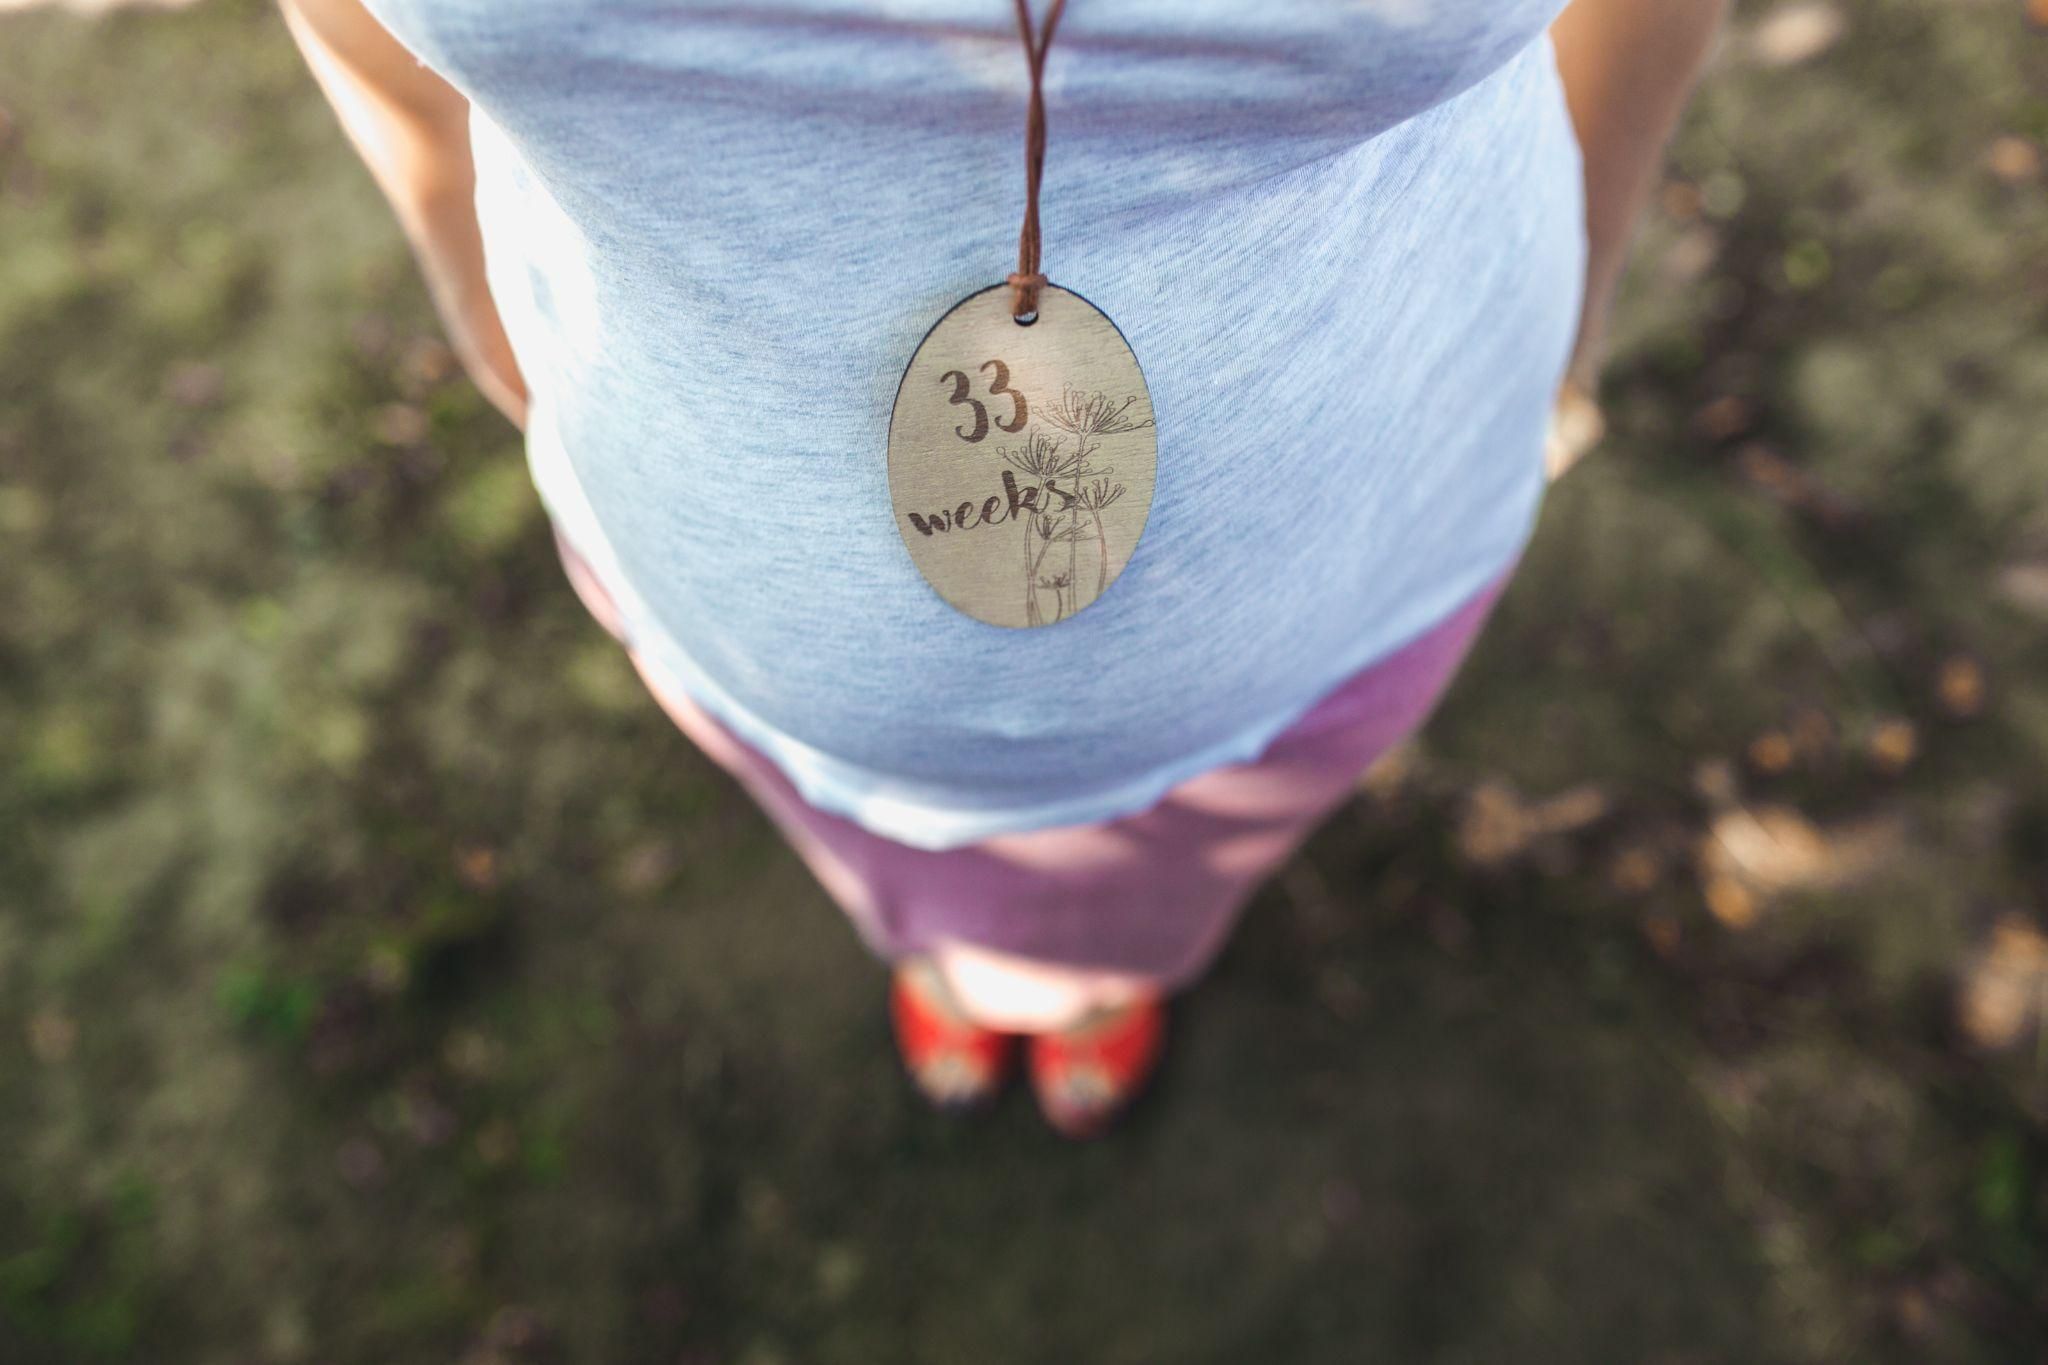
[(1797, 33), (2005, 984)]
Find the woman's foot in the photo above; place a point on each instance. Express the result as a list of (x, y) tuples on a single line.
[(954, 1062), (1086, 1076)]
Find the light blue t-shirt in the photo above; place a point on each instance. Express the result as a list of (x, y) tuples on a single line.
[(1344, 241)]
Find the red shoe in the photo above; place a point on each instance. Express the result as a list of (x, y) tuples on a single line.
[(954, 1062), (1085, 1077)]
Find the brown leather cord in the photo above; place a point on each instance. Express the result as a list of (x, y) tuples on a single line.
[(1026, 281)]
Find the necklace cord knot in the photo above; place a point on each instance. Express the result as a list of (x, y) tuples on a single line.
[(1026, 280)]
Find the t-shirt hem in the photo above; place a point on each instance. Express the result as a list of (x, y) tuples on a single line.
[(924, 824)]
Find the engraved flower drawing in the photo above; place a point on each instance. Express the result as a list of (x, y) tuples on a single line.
[(1083, 490)]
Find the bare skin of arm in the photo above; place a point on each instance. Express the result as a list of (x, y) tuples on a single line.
[(1628, 68), (412, 129)]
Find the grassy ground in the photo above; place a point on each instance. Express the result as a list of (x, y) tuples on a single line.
[(368, 994)]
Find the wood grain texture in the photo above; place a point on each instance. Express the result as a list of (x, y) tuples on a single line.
[(1022, 458)]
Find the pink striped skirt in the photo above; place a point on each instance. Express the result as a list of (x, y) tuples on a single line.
[(1150, 895)]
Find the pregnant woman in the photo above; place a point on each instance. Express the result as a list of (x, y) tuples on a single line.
[(1046, 588)]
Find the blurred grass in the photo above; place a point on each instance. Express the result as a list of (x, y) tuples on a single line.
[(371, 995)]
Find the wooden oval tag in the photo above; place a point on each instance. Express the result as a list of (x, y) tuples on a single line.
[(1022, 458)]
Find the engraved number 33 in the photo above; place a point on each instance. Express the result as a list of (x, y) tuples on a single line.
[(1020, 411)]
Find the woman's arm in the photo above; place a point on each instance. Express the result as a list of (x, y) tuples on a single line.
[(1628, 69), (412, 128)]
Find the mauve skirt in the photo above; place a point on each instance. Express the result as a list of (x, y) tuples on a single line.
[(1152, 893)]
